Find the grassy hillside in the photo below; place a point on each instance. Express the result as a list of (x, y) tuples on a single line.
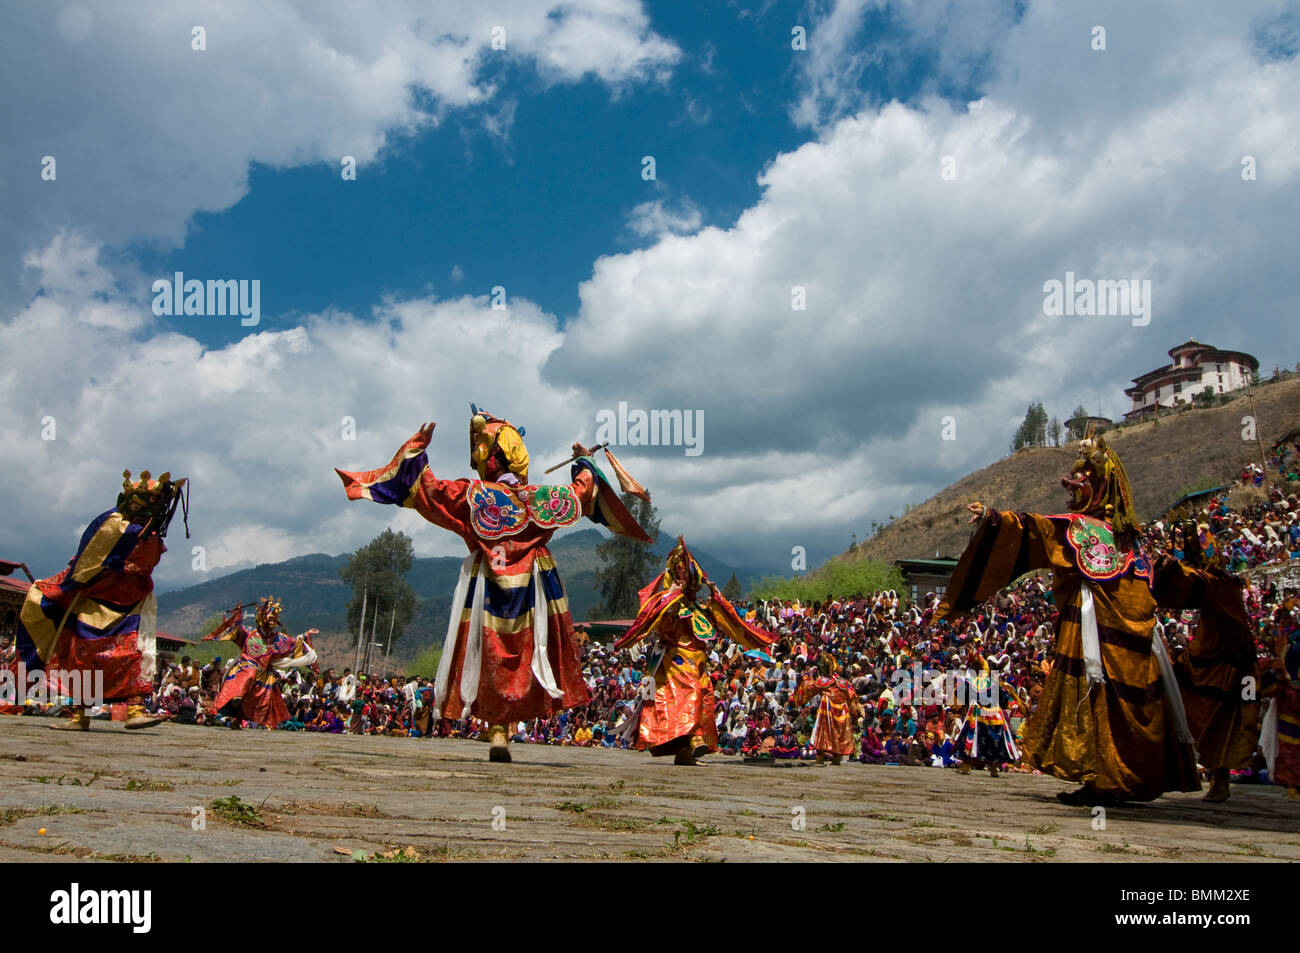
[(1164, 458)]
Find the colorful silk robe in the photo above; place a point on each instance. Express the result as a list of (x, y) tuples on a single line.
[(839, 706), (984, 735), (1221, 712), (253, 679), (510, 652), (99, 614), (683, 705), (1110, 713)]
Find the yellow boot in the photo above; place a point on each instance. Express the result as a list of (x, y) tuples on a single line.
[(79, 721), (697, 747), (500, 741), (137, 717)]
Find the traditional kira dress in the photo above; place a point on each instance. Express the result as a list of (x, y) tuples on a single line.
[(503, 660), (1110, 713)]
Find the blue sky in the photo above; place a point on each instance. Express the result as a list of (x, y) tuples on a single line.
[(533, 209), (781, 176)]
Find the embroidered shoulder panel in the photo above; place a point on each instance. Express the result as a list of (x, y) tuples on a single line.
[(553, 506), (1096, 553), (495, 511)]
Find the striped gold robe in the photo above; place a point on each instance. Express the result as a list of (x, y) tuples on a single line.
[(99, 614), (1106, 717), (1219, 673)]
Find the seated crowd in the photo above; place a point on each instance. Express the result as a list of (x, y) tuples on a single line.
[(892, 652)]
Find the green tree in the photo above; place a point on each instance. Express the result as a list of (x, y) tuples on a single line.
[(732, 590), (1033, 430), (839, 578), (426, 663), (378, 570), (628, 564), (1078, 422), (1054, 431)]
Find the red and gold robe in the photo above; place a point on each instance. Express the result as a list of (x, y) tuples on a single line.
[(1109, 713), (839, 706), (99, 614), (1219, 673), (510, 652), (254, 677)]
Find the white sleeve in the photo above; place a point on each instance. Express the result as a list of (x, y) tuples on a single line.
[(286, 663)]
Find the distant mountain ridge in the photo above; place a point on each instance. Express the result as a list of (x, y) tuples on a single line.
[(315, 597)]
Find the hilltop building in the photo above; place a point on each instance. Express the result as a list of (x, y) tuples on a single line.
[(1194, 367), (1081, 425)]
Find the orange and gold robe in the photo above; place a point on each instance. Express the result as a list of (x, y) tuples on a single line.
[(1219, 674), (683, 706), (1109, 712), (510, 652), (839, 705)]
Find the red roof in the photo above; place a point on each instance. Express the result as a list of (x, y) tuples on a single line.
[(14, 585), (176, 638)]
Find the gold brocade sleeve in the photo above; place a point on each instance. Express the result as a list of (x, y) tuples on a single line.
[(803, 693), (1176, 586), (1005, 546), (91, 562), (1225, 632)]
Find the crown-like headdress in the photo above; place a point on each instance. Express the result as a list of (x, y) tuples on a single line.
[(268, 613), (150, 499), (146, 488)]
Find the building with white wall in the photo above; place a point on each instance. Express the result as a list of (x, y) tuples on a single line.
[(1194, 366)]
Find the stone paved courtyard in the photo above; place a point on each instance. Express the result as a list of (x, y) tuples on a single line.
[(112, 794)]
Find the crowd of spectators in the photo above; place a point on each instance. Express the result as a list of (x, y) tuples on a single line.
[(1260, 533), (899, 658)]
